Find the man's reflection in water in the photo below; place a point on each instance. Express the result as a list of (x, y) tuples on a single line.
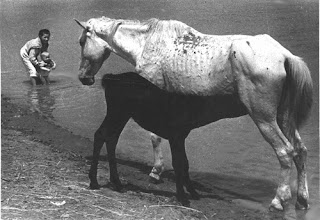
[(41, 100)]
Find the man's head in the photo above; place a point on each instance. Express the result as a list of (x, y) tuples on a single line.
[(44, 35), (45, 56)]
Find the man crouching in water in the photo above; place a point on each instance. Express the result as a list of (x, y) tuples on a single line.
[(30, 51)]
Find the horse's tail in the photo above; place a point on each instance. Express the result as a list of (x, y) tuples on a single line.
[(297, 95)]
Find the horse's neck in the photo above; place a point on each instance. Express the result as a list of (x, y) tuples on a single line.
[(128, 43), (130, 40)]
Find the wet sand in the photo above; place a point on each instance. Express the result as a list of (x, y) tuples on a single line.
[(40, 143)]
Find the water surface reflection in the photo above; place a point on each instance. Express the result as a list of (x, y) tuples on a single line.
[(41, 100)]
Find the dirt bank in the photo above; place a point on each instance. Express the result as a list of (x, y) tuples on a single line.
[(40, 179)]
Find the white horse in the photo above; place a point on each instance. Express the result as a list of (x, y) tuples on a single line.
[(252, 73)]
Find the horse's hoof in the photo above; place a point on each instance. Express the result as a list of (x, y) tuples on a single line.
[(154, 176), (94, 186), (276, 205)]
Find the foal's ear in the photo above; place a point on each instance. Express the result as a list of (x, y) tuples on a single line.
[(81, 23)]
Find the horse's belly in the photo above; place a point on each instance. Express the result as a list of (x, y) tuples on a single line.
[(199, 81), (201, 70)]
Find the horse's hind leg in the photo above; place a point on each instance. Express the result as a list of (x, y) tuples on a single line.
[(284, 151), (300, 161), (264, 114), (108, 133), (158, 166), (262, 101), (263, 110)]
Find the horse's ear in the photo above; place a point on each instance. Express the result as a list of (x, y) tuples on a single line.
[(81, 23)]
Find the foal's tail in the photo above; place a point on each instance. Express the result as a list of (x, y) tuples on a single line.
[(297, 95), (104, 81)]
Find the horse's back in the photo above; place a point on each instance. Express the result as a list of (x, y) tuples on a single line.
[(258, 59)]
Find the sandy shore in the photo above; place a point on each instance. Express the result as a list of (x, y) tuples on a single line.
[(39, 180), (42, 180)]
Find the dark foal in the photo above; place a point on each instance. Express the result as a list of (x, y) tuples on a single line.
[(168, 115)]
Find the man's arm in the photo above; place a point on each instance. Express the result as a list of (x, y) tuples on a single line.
[(33, 58)]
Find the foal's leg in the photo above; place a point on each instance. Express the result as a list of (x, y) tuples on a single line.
[(108, 133), (97, 145), (181, 167), (187, 181), (158, 166), (113, 130), (300, 162), (178, 163)]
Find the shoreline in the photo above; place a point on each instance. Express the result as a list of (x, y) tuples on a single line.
[(41, 178), (18, 117), (47, 166)]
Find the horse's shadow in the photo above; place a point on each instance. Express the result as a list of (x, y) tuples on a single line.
[(209, 185), (252, 193)]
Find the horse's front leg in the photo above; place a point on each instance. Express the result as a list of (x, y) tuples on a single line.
[(158, 166)]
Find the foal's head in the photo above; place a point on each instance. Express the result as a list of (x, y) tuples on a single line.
[(94, 49)]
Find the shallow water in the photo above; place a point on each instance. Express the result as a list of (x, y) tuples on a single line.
[(231, 147)]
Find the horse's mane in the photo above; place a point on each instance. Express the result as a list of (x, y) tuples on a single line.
[(151, 26), (146, 25)]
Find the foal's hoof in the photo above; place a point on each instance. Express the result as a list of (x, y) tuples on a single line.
[(119, 188), (302, 204), (115, 187), (195, 195), (183, 201), (94, 185)]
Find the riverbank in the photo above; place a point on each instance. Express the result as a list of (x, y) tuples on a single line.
[(40, 179)]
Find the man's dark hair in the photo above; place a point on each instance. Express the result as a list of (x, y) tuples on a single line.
[(43, 31)]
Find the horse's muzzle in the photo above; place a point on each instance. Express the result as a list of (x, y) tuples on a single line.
[(88, 81)]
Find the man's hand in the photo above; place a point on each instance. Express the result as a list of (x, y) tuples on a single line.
[(41, 63), (45, 68)]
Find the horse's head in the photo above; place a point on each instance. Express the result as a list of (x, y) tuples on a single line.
[(94, 51)]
